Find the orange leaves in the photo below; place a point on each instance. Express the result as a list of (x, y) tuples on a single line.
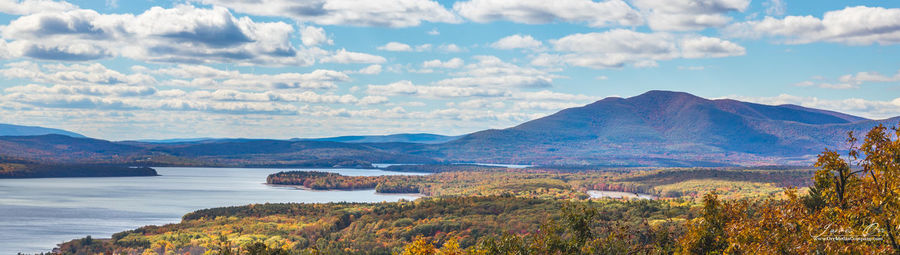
[(853, 207), (419, 246)]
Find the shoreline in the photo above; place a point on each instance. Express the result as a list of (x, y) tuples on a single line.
[(601, 194), (301, 187)]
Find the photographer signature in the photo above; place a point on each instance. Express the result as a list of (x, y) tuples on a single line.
[(872, 232)]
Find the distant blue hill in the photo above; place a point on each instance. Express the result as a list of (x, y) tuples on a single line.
[(396, 138), (422, 138), (176, 140), (17, 130), (663, 128), (657, 128), (61, 149)]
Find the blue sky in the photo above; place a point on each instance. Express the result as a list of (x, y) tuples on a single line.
[(280, 69)]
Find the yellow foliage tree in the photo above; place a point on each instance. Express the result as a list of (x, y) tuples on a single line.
[(882, 168), (451, 247), (419, 247), (852, 208)]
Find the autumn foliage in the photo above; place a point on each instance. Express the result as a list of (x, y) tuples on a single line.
[(852, 208)]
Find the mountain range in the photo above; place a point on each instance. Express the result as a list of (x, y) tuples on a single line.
[(60, 149), (657, 128), (663, 128), (394, 138), (16, 130)]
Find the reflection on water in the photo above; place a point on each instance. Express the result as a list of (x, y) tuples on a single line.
[(37, 214)]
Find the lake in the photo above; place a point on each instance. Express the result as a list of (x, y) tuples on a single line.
[(37, 214), (384, 165), (618, 194)]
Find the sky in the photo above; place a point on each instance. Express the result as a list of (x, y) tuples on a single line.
[(122, 70)]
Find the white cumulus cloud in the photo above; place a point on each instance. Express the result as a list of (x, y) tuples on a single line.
[(24, 7), (874, 109), (387, 13), (618, 47), (859, 25), (207, 77), (395, 46), (437, 63), (312, 36), (343, 56), (594, 14), (180, 34), (710, 47), (517, 42), (685, 15)]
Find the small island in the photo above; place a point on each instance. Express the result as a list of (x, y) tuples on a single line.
[(332, 181)]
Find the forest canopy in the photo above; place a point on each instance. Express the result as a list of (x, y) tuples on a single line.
[(851, 206)]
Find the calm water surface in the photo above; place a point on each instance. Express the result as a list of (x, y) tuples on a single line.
[(618, 194), (37, 214)]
